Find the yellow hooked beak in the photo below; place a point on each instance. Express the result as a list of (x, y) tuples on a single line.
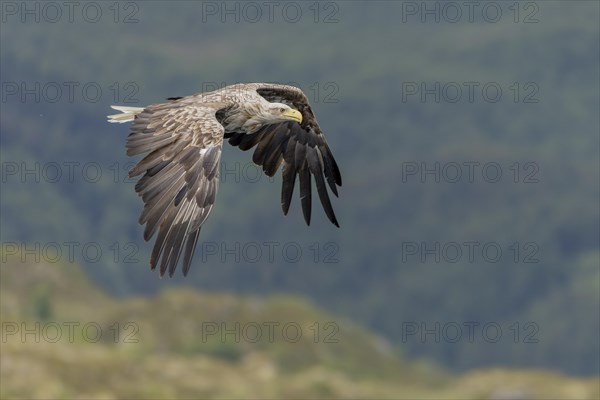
[(293, 115)]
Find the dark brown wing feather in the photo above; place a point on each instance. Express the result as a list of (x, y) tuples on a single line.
[(182, 144), (300, 148)]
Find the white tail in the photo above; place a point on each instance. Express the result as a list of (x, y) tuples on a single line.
[(127, 114)]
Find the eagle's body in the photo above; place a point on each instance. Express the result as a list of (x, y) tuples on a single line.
[(182, 141)]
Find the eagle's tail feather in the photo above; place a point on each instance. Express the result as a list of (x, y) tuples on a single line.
[(127, 114)]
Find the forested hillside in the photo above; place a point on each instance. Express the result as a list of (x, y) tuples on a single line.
[(459, 205)]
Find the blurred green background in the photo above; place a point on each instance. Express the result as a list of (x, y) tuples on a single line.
[(382, 79)]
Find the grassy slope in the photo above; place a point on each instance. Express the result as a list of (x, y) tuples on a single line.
[(170, 360)]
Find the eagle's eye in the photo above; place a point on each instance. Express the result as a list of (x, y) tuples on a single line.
[(282, 109)]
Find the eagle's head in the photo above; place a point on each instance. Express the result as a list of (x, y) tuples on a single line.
[(279, 112), (259, 114)]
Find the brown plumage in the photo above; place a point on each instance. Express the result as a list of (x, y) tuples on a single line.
[(181, 141)]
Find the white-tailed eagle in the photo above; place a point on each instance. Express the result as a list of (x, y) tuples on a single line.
[(182, 140)]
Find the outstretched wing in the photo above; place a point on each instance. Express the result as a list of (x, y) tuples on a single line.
[(182, 143), (301, 148)]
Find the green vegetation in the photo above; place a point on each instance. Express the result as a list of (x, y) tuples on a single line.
[(368, 54), (158, 347)]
